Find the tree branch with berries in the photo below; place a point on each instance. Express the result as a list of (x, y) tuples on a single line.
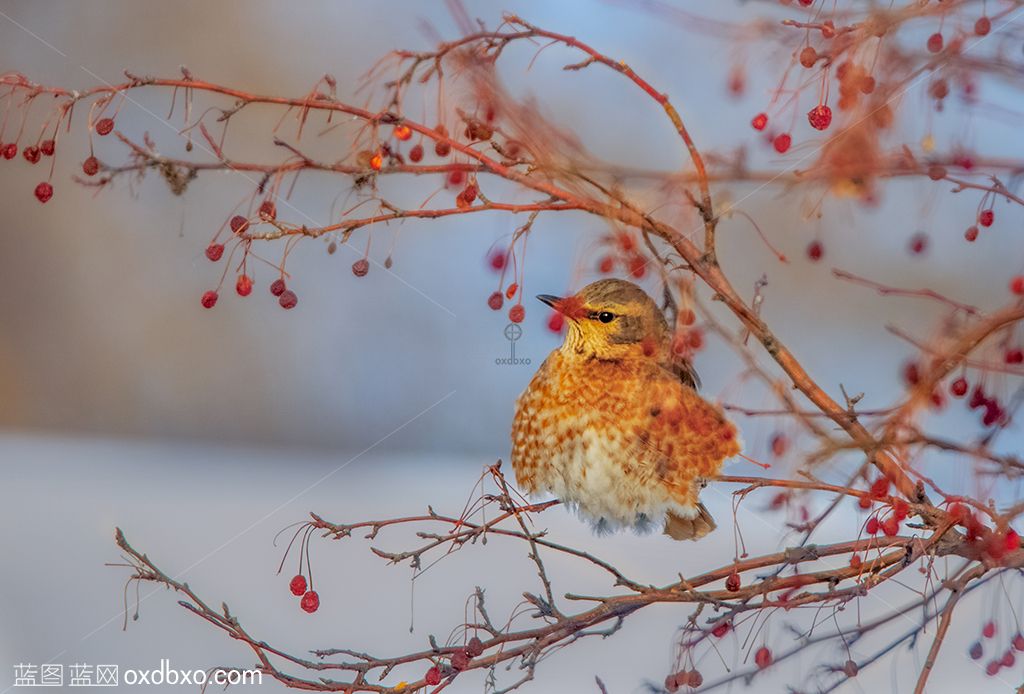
[(490, 152)]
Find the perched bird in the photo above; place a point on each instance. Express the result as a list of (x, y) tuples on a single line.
[(612, 425)]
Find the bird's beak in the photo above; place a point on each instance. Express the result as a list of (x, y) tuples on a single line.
[(550, 300)]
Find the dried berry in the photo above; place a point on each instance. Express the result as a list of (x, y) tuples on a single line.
[(239, 224), (209, 299), (298, 585), (971, 234), (517, 313), (214, 251), (361, 267), (268, 210), (47, 147), (460, 661), (104, 126), (982, 26), (31, 154), (732, 582), (475, 647), (808, 56), (976, 651), (416, 153), (277, 287), (288, 299), (433, 676), (91, 166)]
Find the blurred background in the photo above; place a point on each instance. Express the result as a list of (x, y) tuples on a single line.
[(202, 433)]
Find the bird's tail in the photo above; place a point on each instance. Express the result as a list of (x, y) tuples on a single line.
[(693, 528)]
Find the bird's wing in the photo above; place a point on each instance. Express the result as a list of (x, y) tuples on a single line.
[(680, 438)]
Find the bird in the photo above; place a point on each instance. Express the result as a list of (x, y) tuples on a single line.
[(612, 423)]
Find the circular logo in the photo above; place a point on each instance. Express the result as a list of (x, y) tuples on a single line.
[(513, 332)]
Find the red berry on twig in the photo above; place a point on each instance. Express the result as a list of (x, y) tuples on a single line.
[(815, 250), (10, 151), (517, 313), (416, 153), (288, 299), (1017, 285), (31, 154), (239, 224), (433, 676), (782, 142), (277, 287), (209, 299), (763, 657), (460, 661), (959, 387), (989, 630), (495, 301), (820, 117), (47, 147), (361, 267), (310, 601), (935, 43), (214, 251), (976, 651), (244, 285), (91, 166), (298, 585), (732, 582), (760, 121), (971, 234), (44, 191), (268, 210), (402, 132), (475, 647), (982, 26), (104, 126), (986, 217)]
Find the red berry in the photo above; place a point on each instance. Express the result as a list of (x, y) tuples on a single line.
[(872, 526), (808, 56), (918, 243), (416, 153), (1014, 356), (277, 287), (976, 651), (239, 224), (475, 647), (864, 502), (402, 132), (779, 444), (900, 509), (815, 250), (361, 267), (696, 679), (298, 585), (982, 26), (214, 251), (820, 117), (890, 526), (936, 172), (268, 210), (671, 684), (911, 373), (606, 264), (556, 322), (433, 676), (511, 290), (310, 601), (288, 299), (959, 387), (244, 285), (44, 191), (855, 561), (10, 151), (209, 299), (47, 147), (880, 487), (763, 657), (732, 583), (935, 42), (850, 668), (720, 629), (31, 154), (91, 166), (992, 669), (104, 126), (989, 630), (495, 301), (637, 266), (497, 260), (806, 3), (971, 234), (1008, 659), (1017, 285), (460, 661), (986, 217), (1012, 541), (442, 149), (1018, 642), (517, 313), (760, 121), (782, 142)]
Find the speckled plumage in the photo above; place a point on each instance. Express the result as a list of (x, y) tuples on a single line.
[(608, 424)]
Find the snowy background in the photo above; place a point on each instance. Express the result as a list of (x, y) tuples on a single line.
[(202, 433)]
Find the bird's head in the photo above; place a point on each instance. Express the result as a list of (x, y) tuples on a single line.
[(611, 319)]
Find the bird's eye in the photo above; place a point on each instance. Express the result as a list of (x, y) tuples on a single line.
[(606, 316)]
